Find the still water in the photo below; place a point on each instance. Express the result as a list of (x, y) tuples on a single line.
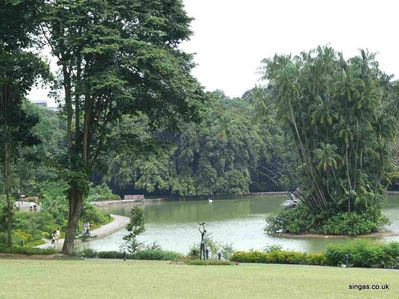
[(240, 222)]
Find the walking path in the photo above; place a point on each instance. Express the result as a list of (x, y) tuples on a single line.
[(118, 223)]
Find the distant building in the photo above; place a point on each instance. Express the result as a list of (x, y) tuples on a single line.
[(43, 104)]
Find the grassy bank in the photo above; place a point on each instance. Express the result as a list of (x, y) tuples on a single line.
[(150, 279)]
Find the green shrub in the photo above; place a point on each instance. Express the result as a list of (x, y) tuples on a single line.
[(352, 224), (279, 257), (54, 201), (28, 250), (102, 192), (110, 255), (227, 251), (87, 253), (147, 254), (296, 220), (92, 215), (249, 257), (316, 258), (364, 253), (156, 254), (301, 220), (194, 251), (214, 247), (31, 227)]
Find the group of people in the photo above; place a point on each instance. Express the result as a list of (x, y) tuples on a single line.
[(55, 236), (32, 207), (86, 229)]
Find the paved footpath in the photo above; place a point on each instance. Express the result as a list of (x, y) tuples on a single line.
[(118, 223)]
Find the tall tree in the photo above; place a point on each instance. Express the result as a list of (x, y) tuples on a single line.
[(339, 114), (116, 57), (18, 70)]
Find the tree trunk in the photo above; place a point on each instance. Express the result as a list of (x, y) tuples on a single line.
[(7, 187), (75, 209)]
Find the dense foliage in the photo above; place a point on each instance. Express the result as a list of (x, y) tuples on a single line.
[(116, 59), (300, 220), (132, 116), (341, 115), (19, 68), (364, 254), (226, 153)]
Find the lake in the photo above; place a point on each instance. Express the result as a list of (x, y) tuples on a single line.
[(240, 222)]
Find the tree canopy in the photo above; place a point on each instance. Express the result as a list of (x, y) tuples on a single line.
[(116, 58), (341, 115), (19, 69)]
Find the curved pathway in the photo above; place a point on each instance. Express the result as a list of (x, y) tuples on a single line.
[(118, 223)]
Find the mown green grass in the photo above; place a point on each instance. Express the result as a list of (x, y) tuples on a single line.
[(151, 279)]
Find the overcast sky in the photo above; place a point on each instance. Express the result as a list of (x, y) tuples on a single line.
[(231, 37)]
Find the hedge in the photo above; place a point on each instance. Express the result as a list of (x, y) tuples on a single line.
[(28, 250), (149, 254), (365, 254), (279, 257), (361, 254)]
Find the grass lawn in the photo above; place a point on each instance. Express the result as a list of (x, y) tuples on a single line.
[(26, 278)]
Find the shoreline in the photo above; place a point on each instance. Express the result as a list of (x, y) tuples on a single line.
[(320, 236), (117, 224), (138, 202)]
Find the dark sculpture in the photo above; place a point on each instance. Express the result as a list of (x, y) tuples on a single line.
[(202, 230)]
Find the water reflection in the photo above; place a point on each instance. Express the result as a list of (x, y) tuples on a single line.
[(174, 225)]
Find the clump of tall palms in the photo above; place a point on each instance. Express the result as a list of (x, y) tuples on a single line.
[(341, 115)]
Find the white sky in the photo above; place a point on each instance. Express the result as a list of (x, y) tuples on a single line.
[(231, 37)]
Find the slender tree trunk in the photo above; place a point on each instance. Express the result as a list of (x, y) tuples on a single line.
[(68, 104), (75, 197), (7, 189), (348, 176), (5, 102)]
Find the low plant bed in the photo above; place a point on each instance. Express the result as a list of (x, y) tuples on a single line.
[(279, 257), (27, 251), (146, 254), (359, 253)]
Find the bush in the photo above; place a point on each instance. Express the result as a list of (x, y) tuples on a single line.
[(361, 254), (110, 255), (102, 192), (87, 253), (301, 220), (226, 250), (147, 254), (92, 215), (353, 224), (194, 251), (296, 220), (279, 257), (34, 224), (364, 254), (157, 254), (54, 201), (28, 251)]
